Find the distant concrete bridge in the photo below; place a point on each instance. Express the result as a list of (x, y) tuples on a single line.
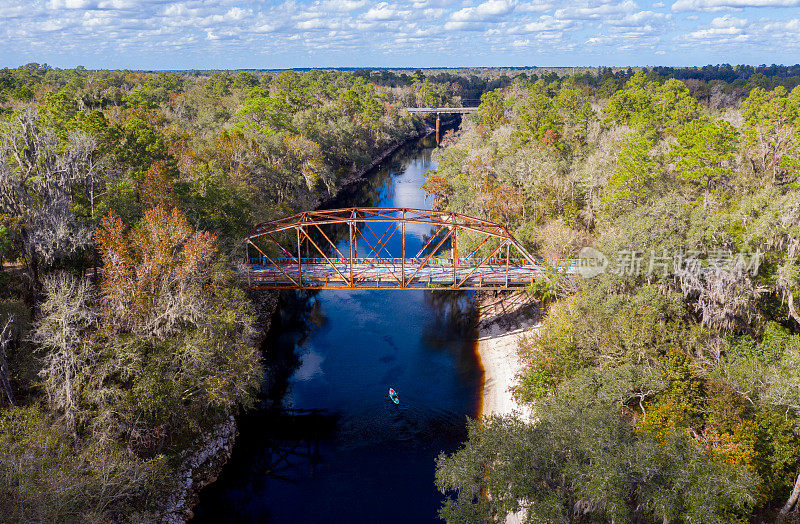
[(439, 111), (288, 253)]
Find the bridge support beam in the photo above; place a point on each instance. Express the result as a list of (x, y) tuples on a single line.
[(403, 251), (438, 125), (454, 246), (351, 227), (299, 259)]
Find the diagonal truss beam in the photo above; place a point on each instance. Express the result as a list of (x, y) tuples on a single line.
[(481, 263), (274, 264), (433, 252), (376, 255), (328, 260)]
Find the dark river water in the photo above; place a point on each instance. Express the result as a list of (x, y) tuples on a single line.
[(328, 445)]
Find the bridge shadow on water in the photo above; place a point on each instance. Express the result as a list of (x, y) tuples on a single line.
[(287, 439)]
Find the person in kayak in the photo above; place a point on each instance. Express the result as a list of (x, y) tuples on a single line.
[(393, 396)]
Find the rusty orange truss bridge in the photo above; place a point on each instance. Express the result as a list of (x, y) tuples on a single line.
[(301, 252)]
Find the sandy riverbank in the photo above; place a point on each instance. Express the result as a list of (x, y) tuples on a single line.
[(502, 320)]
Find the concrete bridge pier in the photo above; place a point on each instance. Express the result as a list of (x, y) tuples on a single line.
[(438, 112)]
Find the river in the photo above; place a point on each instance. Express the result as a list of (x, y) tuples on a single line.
[(337, 449)]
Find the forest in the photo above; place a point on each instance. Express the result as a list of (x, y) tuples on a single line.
[(125, 334), (666, 388)]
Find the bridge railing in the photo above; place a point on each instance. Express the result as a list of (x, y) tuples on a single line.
[(441, 261)]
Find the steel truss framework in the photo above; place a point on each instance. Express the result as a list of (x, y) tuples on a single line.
[(324, 266)]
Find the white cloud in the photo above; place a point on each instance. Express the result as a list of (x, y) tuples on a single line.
[(638, 19), (266, 27), (116, 4), (597, 12), (728, 21), (125, 32), (384, 11), (547, 23), (342, 5), (453, 25), (236, 13), (720, 5), (536, 6), (484, 11), (723, 29), (425, 4), (69, 4), (13, 11), (316, 23)]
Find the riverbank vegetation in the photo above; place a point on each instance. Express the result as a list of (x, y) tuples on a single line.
[(124, 197), (665, 388)]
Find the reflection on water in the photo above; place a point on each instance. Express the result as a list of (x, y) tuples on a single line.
[(328, 444), (310, 366)]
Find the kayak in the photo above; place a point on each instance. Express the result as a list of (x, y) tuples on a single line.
[(393, 396)]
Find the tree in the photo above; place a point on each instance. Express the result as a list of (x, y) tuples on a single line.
[(704, 152), (576, 112), (158, 186), (218, 202), (266, 115), (90, 166), (45, 477), (579, 463), (5, 244), (648, 105), (151, 280), (58, 113), (244, 80), (540, 119), (492, 109), (724, 297), (219, 85), (36, 182), (306, 157), (63, 334), (138, 146), (772, 124), (636, 170), (178, 333)]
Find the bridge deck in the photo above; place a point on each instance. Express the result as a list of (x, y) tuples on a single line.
[(396, 274)]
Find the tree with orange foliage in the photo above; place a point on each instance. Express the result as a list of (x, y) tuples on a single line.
[(506, 203), (177, 332), (153, 277), (440, 189)]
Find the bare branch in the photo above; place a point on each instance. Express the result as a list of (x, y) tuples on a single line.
[(5, 374)]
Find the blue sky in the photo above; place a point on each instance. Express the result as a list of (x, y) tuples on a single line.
[(230, 34)]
